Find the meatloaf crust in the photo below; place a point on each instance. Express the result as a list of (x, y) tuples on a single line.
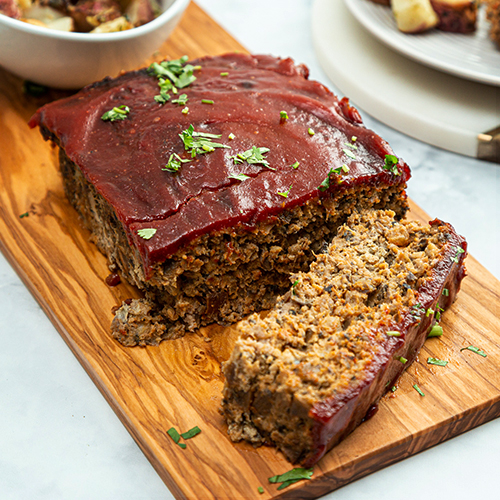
[(306, 375), (222, 243)]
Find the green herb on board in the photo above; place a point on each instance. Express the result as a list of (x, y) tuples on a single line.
[(26, 214), (436, 361), (191, 433), (417, 388), (291, 477), (436, 331), (172, 432), (474, 349), (260, 489)]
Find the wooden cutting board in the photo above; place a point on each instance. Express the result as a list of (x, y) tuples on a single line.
[(179, 383)]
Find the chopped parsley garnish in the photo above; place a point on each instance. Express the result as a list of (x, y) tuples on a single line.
[(417, 388), (224, 73), (353, 146), (165, 87), (185, 111), (26, 214), (354, 138), (294, 284), (326, 183), (177, 71), (199, 142), (349, 153), (254, 156), (172, 432), (417, 311), (191, 433), (285, 193), (239, 177), (310, 131), (146, 233), (260, 489), (174, 163), (437, 362), (207, 101), (402, 360), (474, 349), (283, 116), (436, 331), (458, 251), (231, 136), (181, 100), (429, 312), (446, 292), (291, 477), (390, 164), (394, 388), (393, 333), (117, 113), (295, 165)]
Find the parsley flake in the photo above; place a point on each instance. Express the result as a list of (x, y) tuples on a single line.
[(295, 165), (436, 331), (254, 156), (171, 76), (117, 113), (172, 432), (191, 433), (446, 292), (224, 73), (239, 177), (185, 111), (174, 163), (393, 333), (458, 251), (26, 214), (417, 388), (310, 131), (391, 163), (437, 362), (402, 359), (474, 349), (291, 477), (326, 183), (354, 138), (199, 142), (260, 489), (353, 146), (181, 100), (147, 233), (394, 388), (349, 153), (231, 136), (285, 193), (207, 101), (283, 116)]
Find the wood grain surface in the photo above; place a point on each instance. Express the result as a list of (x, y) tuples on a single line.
[(179, 383)]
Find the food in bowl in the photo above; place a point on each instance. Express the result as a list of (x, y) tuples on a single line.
[(85, 16)]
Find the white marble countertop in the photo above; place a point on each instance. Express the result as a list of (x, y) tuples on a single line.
[(59, 439)]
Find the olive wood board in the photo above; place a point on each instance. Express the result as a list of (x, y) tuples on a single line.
[(179, 382)]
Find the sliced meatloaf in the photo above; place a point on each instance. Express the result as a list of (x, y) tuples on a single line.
[(306, 375), (207, 184)]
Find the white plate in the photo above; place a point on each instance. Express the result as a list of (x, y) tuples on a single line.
[(473, 56)]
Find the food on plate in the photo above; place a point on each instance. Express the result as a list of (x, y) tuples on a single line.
[(87, 16), (414, 16), (305, 375), (493, 16), (207, 183), (456, 16)]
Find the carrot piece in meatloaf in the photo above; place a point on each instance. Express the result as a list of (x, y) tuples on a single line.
[(305, 376)]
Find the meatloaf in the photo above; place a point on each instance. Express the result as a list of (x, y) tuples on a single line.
[(306, 375), (207, 183)]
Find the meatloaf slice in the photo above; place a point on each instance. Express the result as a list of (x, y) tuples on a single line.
[(305, 376), (207, 199)]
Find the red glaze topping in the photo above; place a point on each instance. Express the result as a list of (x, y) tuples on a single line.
[(124, 159)]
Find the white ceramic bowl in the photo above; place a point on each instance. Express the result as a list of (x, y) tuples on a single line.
[(72, 60)]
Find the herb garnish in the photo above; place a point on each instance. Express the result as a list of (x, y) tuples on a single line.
[(172, 432), (181, 100), (177, 71), (254, 156), (285, 193), (393, 333), (185, 111), (231, 136), (26, 214), (402, 360), (225, 73), (260, 489), (310, 131), (474, 349), (191, 433), (394, 388), (446, 292), (436, 331), (349, 153), (199, 142), (147, 233), (165, 87), (437, 362), (353, 146), (326, 183), (174, 163), (417, 311), (429, 312), (117, 113), (283, 116), (458, 251), (239, 177), (295, 165), (291, 477), (390, 164), (207, 101), (417, 388)]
